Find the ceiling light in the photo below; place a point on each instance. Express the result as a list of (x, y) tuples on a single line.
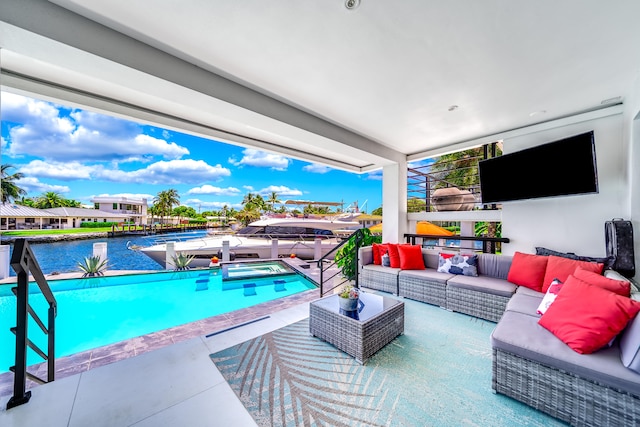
[(453, 108), (611, 100), (537, 113), (351, 4)]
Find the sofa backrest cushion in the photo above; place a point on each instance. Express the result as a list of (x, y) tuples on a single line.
[(494, 265)]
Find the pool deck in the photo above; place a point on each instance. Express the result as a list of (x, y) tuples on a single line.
[(201, 329)]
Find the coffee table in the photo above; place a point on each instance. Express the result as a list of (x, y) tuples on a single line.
[(361, 333)]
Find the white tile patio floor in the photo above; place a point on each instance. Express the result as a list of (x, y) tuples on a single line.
[(177, 385)]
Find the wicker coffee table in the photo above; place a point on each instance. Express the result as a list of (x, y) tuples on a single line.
[(378, 320)]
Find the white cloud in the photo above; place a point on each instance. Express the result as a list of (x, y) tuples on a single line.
[(162, 172), (33, 185), (261, 159), (42, 129), (248, 187), (210, 189), (375, 175), (316, 168), (63, 171), (3, 144), (281, 190)]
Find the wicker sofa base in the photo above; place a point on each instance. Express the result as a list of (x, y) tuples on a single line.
[(562, 395), (475, 303), (422, 290), (380, 281)]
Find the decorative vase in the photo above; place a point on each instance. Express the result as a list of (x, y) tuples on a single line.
[(348, 304)]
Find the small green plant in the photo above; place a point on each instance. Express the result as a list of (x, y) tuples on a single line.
[(346, 256), (181, 261), (349, 291), (93, 266)]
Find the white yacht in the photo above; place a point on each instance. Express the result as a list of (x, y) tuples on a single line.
[(295, 235)]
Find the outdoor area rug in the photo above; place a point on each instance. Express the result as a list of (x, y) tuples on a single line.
[(437, 374)]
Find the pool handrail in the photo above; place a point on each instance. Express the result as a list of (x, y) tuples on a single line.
[(24, 262)]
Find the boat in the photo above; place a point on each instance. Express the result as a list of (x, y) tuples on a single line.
[(295, 235)]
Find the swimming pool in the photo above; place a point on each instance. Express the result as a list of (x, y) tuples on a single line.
[(94, 312)]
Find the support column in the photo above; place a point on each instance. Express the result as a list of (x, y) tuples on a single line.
[(170, 253), (394, 202)]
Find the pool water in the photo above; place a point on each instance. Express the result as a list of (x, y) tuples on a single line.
[(94, 312)]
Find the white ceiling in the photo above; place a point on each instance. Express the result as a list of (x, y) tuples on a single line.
[(381, 78)]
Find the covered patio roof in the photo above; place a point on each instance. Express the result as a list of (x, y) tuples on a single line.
[(355, 89)]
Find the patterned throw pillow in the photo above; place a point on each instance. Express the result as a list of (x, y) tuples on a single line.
[(466, 265), (550, 296)]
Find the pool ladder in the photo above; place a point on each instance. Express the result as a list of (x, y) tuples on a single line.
[(24, 262)]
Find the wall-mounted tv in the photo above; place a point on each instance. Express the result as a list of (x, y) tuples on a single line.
[(563, 167)]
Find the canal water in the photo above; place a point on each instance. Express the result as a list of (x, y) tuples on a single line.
[(63, 257)]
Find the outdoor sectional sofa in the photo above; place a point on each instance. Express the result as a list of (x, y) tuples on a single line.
[(530, 364)]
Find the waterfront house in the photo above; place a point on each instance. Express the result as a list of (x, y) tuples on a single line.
[(132, 209), (18, 217), (74, 217)]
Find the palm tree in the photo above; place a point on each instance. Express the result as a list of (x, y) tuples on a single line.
[(49, 200), (10, 189), (253, 202), (165, 200), (272, 200)]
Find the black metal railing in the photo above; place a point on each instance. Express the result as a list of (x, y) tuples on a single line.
[(450, 183), (24, 262), (488, 243), (328, 262)]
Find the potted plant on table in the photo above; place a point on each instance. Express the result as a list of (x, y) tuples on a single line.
[(348, 298)]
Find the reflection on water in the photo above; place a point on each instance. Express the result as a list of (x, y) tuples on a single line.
[(63, 257)]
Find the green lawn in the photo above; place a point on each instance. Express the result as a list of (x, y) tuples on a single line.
[(55, 231)]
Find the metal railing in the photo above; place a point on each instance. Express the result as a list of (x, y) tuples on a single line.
[(488, 243), (24, 262), (328, 261), (453, 184)]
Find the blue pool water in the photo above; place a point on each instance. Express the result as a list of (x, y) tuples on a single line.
[(93, 312)]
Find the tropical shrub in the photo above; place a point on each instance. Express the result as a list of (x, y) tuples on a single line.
[(181, 261), (346, 256), (93, 266)]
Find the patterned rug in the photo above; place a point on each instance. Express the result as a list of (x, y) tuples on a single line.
[(437, 374)]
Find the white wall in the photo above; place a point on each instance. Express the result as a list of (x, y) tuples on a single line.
[(632, 128), (572, 223)]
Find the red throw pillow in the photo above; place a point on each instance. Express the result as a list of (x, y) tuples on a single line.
[(394, 255), (587, 317), (527, 270), (560, 268), (411, 257), (378, 251), (620, 287)]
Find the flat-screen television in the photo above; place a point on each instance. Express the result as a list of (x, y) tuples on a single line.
[(558, 168)]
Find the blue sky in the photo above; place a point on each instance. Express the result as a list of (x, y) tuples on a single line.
[(81, 154)]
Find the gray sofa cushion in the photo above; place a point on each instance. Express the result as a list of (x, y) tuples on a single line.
[(486, 284), (381, 269), (520, 334), (527, 291), (430, 275), (524, 303)]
